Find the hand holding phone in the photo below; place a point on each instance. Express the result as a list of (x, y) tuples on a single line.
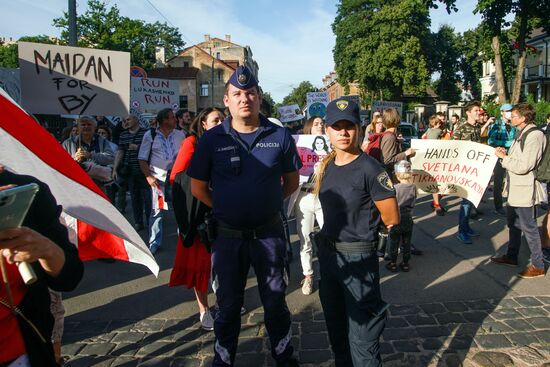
[(14, 241)]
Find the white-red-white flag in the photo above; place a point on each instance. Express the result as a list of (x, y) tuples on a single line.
[(101, 231)]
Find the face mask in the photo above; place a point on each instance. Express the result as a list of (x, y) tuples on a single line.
[(507, 115)]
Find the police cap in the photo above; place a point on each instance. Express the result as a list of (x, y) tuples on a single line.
[(243, 78), (342, 109)]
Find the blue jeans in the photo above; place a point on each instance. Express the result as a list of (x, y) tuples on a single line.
[(464, 217), (155, 221)]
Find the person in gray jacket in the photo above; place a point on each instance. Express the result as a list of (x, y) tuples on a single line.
[(94, 153), (524, 191)]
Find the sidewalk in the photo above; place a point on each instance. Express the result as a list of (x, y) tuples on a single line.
[(454, 308)]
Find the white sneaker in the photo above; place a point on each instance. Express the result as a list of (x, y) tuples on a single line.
[(207, 322), (307, 286)]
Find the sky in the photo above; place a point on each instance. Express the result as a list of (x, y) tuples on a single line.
[(292, 41)]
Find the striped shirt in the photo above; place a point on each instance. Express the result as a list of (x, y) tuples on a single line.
[(131, 156)]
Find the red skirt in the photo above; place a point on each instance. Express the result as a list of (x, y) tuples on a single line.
[(191, 266)]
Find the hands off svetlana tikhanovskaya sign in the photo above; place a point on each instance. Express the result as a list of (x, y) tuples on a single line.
[(59, 80), (453, 167)]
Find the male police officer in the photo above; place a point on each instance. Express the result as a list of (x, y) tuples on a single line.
[(243, 160)]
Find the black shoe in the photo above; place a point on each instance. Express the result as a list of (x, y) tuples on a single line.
[(290, 362)]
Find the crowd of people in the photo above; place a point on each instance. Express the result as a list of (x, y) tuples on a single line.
[(232, 178)]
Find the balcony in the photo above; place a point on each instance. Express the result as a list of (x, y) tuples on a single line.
[(536, 72)]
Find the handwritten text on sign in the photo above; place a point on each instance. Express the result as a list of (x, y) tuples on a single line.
[(290, 113), (152, 95), (453, 167), (311, 149), (72, 80)]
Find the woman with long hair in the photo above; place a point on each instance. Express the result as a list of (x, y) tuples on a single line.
[(192, 262), (357, 196), (307, 207)]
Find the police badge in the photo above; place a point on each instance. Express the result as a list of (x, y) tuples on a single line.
[(242, 79), (385, 181), (342, 105)]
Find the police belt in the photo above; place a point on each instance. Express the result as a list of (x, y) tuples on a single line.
[(224, 230), (359, 247)]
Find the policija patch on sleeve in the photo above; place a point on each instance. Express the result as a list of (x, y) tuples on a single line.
[(384, 180)]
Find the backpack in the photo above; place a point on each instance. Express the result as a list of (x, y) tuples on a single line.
[(542, 169), (373, 149)]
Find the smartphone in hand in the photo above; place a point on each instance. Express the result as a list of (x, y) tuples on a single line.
[(14, 205)]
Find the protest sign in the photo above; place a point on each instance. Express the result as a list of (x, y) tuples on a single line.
[(311, 149), (72, 80), (380, 106), (290, 113), (353, 98), (152, 95), (317, 104), (10, 82), (453, 167)]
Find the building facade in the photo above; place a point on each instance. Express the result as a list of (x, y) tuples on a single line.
[(336, 90), (536, 74), (204, 69)]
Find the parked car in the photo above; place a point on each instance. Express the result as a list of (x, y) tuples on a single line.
[(407, 131)]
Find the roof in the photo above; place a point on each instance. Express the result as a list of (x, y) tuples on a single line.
[(182, 53), (233, 63), (536, 35), (221, 40), (173, 73)]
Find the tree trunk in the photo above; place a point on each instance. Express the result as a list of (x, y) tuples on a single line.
[(516, 90), (499, 72)]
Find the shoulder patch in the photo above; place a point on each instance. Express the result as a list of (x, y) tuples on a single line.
[(384, 180)]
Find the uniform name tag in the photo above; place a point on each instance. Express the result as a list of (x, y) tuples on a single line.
[(224, 149)]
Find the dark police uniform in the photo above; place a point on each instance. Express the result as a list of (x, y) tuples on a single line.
[(349, 288), (245, 174)]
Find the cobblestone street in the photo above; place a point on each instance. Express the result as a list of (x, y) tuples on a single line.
[(453, 309), (515, 331)]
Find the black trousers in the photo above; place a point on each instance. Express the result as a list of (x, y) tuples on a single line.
[(355, 313)]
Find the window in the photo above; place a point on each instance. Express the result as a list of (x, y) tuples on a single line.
[(186, 64), (184, 103), (217, 55), (204, 90)]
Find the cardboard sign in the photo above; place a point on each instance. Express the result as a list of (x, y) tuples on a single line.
[(290, 113), (311, 149), (380, 106), (317, 104), (60, 80), (453, 167), (152, 95)]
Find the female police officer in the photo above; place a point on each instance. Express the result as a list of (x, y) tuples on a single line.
[(355, 193)]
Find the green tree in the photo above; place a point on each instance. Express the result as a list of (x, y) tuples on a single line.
[(268, 104), (298, 95), (445, 53), (104, 28), (527, 16), (9, 54), (381, 44)]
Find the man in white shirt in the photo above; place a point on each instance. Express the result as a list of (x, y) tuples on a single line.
[(156, 157)]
